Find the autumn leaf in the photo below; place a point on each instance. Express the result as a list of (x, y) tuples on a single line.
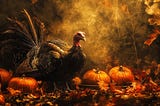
[(115, 90), (153, 9), (154, 21), (147, 2), (152, 37), (153, 83), (13, 92), (103, 86), (77, 81)]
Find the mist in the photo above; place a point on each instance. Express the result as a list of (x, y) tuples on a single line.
[(115, 29)]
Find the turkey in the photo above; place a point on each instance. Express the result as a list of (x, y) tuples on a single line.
[(53, 61), (16, 40)]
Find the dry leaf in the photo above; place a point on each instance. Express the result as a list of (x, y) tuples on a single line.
[(103, 86), (153, 9), (152, 37), (153, 83), (115, 90), (156, 1), (147, 3), (77, 81), (154, 21), (13, 92)]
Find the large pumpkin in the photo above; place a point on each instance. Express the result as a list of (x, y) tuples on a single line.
[(121, 75), (94, 76), (5, 76), (24, 84)]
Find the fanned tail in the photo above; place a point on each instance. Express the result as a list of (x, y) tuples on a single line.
[(17, 38), (15, 42)]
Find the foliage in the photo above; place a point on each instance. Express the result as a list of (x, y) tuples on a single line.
[(153, 10), (83, 96)]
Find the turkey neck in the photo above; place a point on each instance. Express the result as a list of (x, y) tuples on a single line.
[(76, 43)]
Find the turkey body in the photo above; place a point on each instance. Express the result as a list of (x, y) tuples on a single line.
[(25, 51), (57, 65)]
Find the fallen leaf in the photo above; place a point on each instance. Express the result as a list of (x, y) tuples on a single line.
[(153, 9), (152, 37), (103, 86), (77, 81), (13, 92)]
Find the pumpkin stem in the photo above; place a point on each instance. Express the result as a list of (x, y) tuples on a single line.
[(96, 70), (120, 68), (23, 75)]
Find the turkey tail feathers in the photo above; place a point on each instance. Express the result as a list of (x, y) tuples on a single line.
[(16, 39), (33, 30)]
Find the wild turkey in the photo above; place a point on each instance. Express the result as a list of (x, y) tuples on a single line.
[(53, 61)]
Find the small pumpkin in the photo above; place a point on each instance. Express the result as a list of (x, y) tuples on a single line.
[(121, 75), (5, 76), (94, 76), (24, 84)]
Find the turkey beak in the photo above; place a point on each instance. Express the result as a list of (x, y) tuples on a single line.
[(84, 38)]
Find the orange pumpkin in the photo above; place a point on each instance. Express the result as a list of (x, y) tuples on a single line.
[(121, 75), (24, 84), (5, 76), (94, 76), (2, 99)]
